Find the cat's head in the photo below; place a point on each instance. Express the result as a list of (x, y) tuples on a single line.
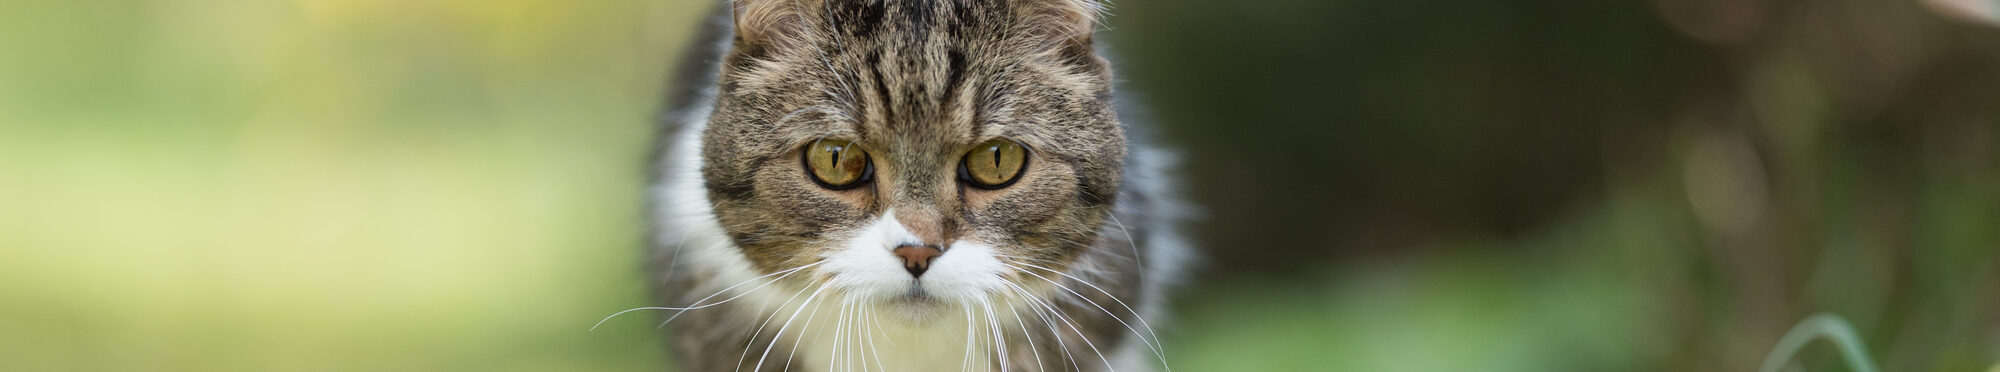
[(920, 153)]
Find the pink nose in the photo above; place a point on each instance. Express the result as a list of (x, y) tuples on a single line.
[(917, 258)]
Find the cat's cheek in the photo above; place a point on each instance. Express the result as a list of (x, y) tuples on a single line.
[(1027, 198)]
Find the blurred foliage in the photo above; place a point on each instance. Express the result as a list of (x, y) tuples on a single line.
[(324, 185), (1422, 185), (1752, 162)]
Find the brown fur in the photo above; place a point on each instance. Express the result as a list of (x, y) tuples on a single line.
[(894, 88), (917, 84)]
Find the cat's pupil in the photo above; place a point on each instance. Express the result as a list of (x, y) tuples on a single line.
[(995, 163)]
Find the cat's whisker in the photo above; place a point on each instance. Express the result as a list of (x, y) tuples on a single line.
[(1079, 270), (698, 303), (1128, 326), (807, 327), (1129, 242), (1034, 304), (872, 349), (788, 324), (1025, 297), (839, 321), (1065, 318), (991, 347), (832, 356), (965, 364), (837, 360), (1026, 336), (1114, 298), (973, 342), (1134, 257), (794, 270), (767, 322), (853, 339), (1151, 344), (986, 341), (891, 340), (843, 335), (999, 339)]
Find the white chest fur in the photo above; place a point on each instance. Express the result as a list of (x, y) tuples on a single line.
[(868, 342)]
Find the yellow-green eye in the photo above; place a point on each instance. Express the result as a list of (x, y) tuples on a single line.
[(837, 164), (994, 164)]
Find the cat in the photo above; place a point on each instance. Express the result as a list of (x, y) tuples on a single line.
[(908, 185)]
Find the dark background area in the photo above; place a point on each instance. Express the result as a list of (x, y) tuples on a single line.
[(1377, 123), (1361, 128), (1813, 155)]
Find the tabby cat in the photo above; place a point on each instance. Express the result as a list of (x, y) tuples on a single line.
[(907, 185)]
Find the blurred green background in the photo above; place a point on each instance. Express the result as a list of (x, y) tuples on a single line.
[(1402, 185)]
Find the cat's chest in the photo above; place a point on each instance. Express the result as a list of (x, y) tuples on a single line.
[(854, 341)]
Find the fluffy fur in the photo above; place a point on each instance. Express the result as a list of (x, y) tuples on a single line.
[(1062, 270)]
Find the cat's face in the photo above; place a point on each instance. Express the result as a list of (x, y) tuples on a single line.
[(914, 153)]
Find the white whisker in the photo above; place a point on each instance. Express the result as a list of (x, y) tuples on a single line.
[(1034, 305), (873, 337), (1135, 313), (966, 363), (767, 322), (839, 321), (803, 328), (1080, 335), (1066, 320), (698, 303), (1029, 337), (788, 323), (872, 349), (993, 329), (1131, 243)]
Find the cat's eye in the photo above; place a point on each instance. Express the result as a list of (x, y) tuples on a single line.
[(994, 164), (837, 164)]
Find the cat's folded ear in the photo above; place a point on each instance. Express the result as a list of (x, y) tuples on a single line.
[(1066, 19), (1061, 26), (766, 24)]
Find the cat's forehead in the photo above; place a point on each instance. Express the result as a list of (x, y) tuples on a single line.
[(915, 20), (925, 72), (922, 76)]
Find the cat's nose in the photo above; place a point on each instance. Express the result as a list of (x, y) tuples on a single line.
[(917, 258)]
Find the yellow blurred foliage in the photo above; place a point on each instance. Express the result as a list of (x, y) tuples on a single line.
[(326, 185)]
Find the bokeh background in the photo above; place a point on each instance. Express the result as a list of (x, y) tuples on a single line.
[(1388, 185)]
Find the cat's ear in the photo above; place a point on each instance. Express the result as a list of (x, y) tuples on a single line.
[(1062, 26), (764, 24)]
